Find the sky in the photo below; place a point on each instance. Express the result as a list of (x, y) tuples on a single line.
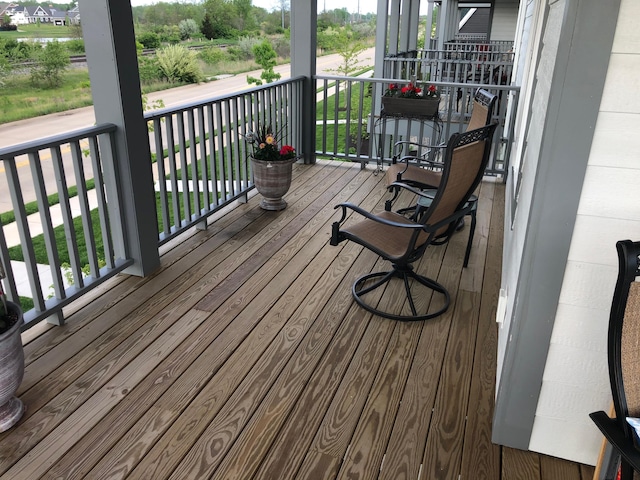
[(366, 6)]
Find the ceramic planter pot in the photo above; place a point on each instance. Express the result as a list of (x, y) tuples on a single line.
[(272, 180), (11, 372), (410, 107)]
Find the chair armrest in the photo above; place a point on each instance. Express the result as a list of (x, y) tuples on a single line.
[(401, 143), (616, 437), (423, 161), (371, 216)]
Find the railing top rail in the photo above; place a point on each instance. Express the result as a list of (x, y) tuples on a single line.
[(55, 140), (404, 80), (161, 112)]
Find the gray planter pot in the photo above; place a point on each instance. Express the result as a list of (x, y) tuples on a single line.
[(272, 180), (11, 372)]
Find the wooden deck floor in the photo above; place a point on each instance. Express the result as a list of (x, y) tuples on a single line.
[(245, 357)]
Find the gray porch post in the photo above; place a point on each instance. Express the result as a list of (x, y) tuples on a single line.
[(428, 24), (304, 41), (381, 39), (115, 85), (394, 26), (575, 76)]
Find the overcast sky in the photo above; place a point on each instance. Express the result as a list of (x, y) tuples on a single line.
[(352, 5)]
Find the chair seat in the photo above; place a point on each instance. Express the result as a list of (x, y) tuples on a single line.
[(384, 239)]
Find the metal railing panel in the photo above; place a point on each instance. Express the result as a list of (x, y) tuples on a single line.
[(376, 133), (206, 165), (33, 248)]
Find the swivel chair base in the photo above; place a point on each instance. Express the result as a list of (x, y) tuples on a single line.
[(405, 274)]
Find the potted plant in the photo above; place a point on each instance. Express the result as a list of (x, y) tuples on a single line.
[(271, 166), (11, 360), (411, 100)]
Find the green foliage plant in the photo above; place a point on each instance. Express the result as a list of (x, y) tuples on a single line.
[(265, 57), (75, 46), (188, 28), (178, 64), (148, 69), (212, 55), (349, 50), (207, 28), (149, 39), (52, 62)]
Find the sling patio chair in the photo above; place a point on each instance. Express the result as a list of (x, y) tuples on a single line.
[(623, 353), (402, 241), (425, 171)]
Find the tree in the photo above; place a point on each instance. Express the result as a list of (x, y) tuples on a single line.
[(265, 56), (207, 28), (52, 61), (221, 15), (283, 5), (243, 13), (349, 52), (187, 28)]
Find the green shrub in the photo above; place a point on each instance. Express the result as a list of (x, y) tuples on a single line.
[(245, 45), (212, 55), (178, 64), (149, 40), (52, 61), (170, 34), (149, 70), (188, 28), (75, 46)]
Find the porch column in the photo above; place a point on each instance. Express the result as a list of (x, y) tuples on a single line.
[(414, 24), (429, 23), (304, 41), (382, 17), (394, 26), (115, 85)]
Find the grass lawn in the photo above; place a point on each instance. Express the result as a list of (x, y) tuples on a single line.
[(42, 30), (340, 130), (20, 99)]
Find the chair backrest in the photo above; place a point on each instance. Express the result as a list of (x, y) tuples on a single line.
[(465, 159), (623, 347), (483, 103)]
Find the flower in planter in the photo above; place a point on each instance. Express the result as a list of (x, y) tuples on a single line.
[(265, 145), (411, 90)]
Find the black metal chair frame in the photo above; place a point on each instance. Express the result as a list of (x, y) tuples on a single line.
[(402, 267), (616, 430), (482, 97)]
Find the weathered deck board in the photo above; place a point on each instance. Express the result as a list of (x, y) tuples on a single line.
[(245, 357)]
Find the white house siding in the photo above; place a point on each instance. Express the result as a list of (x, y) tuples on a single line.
[(505, 18), (575, 381)]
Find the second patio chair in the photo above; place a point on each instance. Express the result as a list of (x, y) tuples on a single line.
[(403, 241), (424, 172), (623, 354)]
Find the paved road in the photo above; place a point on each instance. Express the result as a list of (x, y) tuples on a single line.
[(55, 123)]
